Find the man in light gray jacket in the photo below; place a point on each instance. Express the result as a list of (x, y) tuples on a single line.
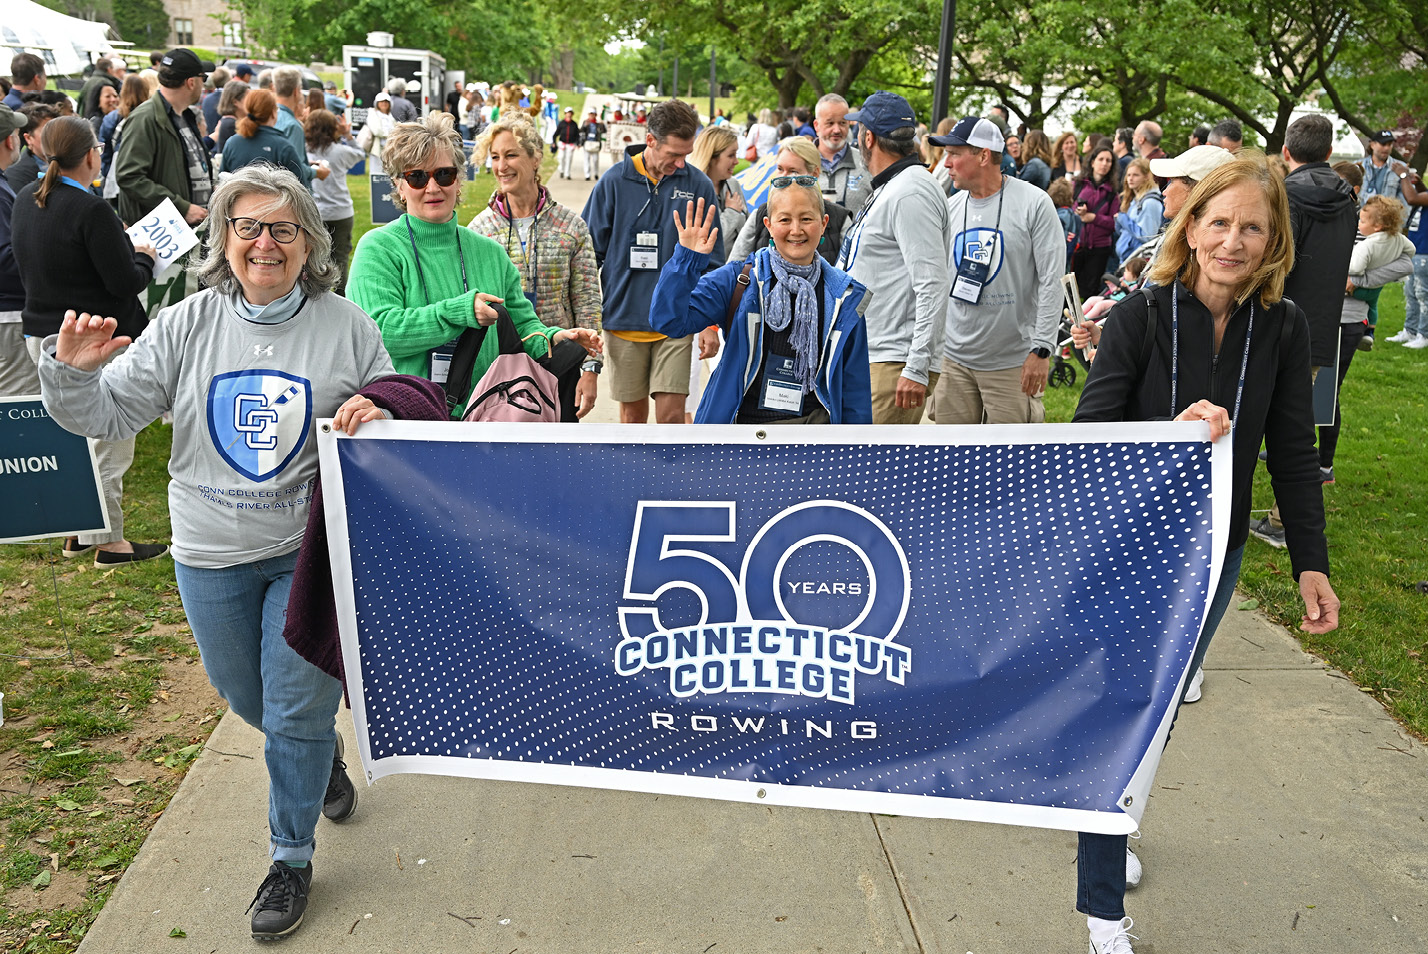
[(1008, 255), (897, 247)]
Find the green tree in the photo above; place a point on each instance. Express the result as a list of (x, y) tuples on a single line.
[(1378, 82), (144, 23)]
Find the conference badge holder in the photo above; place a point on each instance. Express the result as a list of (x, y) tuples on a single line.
[(644, 254), (781, 391)]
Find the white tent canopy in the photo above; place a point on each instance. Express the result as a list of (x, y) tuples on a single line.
[(66, 44)]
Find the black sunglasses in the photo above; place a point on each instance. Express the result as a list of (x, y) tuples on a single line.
[(418, 178), (783, 182)]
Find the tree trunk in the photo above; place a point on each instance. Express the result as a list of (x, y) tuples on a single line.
[(562, 68)]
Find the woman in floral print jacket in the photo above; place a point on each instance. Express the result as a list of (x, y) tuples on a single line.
[(548, 243)]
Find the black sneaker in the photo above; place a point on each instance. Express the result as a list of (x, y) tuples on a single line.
[(1274, 536), (142, 552), (341, 798), (280, 901), (73, 548), (1326, 475)]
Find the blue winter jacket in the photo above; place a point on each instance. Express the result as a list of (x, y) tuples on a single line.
[(623, 204), (687, 300)]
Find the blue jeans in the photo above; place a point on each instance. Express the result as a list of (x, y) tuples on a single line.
[(1101, 859), (1415, 298), (237, 615)]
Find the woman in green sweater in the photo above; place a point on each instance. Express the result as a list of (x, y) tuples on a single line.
[(424, 279)]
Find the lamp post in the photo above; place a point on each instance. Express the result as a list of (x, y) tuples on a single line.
[(944, 63)]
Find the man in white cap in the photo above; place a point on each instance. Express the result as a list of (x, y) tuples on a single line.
[(1007, 255)]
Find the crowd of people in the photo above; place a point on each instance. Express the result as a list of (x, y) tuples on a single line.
[(889, 270)]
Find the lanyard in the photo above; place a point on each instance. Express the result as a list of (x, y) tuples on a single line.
[(1175, 355), (1376, 176), (460, 256), (997, 229), (535, 239)]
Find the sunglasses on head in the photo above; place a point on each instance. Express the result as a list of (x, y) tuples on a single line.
[(783, 182), (418, 178)]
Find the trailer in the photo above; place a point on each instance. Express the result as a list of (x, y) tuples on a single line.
[(367, 70)]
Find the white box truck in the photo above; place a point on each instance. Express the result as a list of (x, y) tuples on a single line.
[(368, 69)]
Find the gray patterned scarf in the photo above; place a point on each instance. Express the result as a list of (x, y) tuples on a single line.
[(795, 298)]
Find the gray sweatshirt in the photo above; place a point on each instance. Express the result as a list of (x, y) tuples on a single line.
[(897, 248), (1020, 306), (245, 398)]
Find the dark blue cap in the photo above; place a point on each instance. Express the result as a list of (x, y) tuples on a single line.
[(883, 112)]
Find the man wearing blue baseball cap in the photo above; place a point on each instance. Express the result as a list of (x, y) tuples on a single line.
[(1008, 253), (897, 247)]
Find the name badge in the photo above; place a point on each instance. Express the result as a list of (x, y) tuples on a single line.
[(781, 390), (972, 275), (843, 251), (644, 258), (441, 362), (647, 239)]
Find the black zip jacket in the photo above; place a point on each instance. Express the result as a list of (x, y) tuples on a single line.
[(1276, 407), (1325, 217)]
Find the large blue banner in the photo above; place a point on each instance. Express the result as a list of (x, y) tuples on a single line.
[(988, 623)]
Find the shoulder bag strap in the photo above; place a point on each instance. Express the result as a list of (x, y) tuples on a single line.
[(468, 346), (740, 285)]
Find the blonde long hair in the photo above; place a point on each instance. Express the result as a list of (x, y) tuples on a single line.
[(1176, 260)]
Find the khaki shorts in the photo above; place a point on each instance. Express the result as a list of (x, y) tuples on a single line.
[(638, 369)]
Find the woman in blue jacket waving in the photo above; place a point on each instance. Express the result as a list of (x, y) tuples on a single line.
[(796, 349)]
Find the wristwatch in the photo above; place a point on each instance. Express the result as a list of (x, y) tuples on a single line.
[(1042, 352), (592, 367)]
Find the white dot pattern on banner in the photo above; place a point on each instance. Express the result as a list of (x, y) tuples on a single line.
[(1056, 595)]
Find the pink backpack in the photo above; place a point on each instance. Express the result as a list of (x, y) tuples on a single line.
[(514, 388)]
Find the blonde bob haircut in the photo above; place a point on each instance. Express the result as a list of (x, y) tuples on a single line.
[(709, 143), (1176, 260), (522, 130), (413, 145), (803, 148)]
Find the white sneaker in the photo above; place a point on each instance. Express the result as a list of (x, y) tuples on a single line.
[(1118, 939), (1133, 870), (1192, 691), (1419, 341), (1403, 337)]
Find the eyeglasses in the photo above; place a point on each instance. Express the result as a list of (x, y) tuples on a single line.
[(249, 229), (418, 178), (783, 182)]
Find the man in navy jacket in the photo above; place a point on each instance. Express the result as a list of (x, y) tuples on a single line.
[(631, 218)]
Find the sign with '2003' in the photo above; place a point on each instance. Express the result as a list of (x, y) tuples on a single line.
[(918, 620)]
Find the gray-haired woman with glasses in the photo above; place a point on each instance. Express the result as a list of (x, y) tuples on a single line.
[(247, 366), (796, 348)]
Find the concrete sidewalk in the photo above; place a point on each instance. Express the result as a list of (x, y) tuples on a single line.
[(1288, 815)]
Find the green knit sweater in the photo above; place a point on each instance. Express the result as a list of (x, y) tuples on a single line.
[(386, 283)]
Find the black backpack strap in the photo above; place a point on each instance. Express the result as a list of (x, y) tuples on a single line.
[(468, 346), (1152, 318)]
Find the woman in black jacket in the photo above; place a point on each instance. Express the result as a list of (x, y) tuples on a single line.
[(1224, 347), (73, 253)]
